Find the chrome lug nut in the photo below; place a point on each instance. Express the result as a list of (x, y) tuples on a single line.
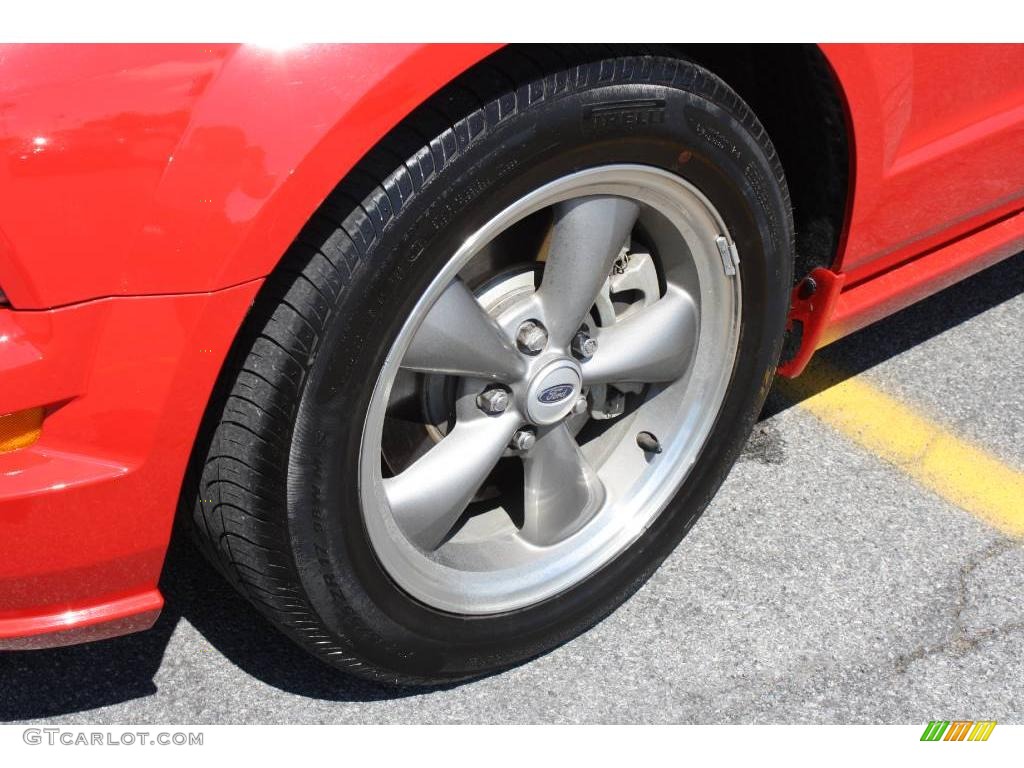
[(524, 439), (531, 338), (493, 400), (583, 346), (580, 406)]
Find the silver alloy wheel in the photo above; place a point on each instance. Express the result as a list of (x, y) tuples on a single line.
[(585, 496)]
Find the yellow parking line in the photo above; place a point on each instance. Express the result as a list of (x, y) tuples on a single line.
[(956, 470)]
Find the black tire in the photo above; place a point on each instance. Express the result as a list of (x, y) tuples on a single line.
[(274, 495)]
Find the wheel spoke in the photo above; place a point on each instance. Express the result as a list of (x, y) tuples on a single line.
[(562, 491), (457, 337), (429, 497), (588, 235), (655, 344)]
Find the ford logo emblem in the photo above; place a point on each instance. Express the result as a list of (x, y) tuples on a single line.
[(555, 394)]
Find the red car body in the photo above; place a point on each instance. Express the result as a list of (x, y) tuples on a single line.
[(146, 192)]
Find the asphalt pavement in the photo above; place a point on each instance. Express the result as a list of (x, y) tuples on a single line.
[(823, 585)]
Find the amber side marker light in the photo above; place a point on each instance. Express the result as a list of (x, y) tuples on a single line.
[(20, 429)]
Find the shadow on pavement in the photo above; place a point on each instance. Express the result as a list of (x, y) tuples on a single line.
[(37, 684), (244, 636), (47, 683), (55, 682)]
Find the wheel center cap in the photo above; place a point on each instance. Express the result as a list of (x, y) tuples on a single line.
[(553, 391)]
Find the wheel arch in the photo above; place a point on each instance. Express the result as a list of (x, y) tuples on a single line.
[(800, 100), (267, 141), (334, 107)]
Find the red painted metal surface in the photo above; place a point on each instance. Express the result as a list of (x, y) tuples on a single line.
[(86, 512), (141, 169), (145, 191), (863, 303), (134, 613), (938, 133)]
